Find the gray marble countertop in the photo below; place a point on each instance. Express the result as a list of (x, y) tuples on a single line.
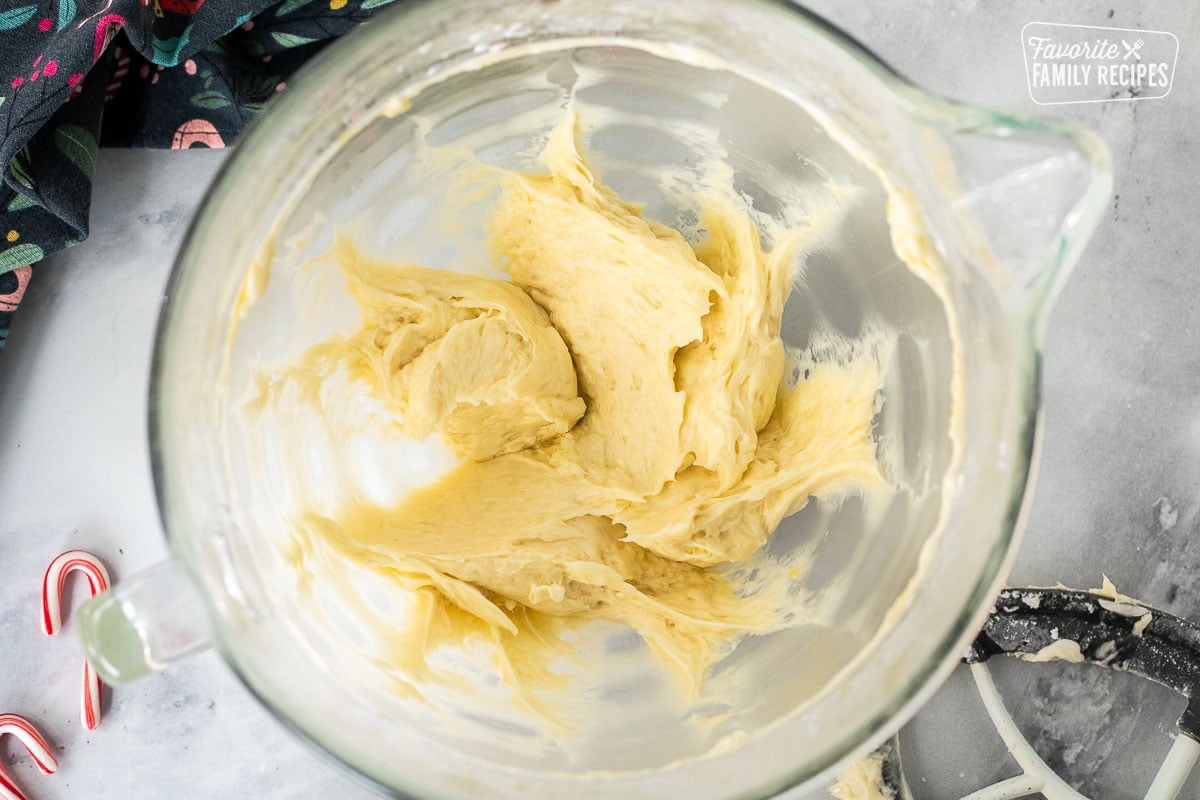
[(1119, 489)]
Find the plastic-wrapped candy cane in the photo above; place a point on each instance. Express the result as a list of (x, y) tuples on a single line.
[(33, 741), (52, 590)]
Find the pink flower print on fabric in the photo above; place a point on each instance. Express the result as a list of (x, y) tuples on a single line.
[(197, 133), (10, 301), (106, 29)]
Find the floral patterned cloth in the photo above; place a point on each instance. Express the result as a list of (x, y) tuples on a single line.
[(78, 74)]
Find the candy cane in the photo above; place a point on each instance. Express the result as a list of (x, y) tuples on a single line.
[(52, 590), (34, 743)]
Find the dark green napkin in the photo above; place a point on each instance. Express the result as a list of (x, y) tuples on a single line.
[(76, 75)]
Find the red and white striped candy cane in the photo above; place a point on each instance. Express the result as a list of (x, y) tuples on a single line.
[(52, 590), (36, 745)]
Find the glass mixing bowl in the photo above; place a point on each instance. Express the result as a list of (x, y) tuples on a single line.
[(368, 139)]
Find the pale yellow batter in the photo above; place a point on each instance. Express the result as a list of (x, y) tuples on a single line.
[(863, 780), (626, 416)]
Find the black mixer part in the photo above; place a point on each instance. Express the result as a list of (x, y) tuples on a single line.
[(1109, 632)]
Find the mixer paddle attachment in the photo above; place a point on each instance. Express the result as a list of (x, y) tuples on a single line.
[(1101, 628)]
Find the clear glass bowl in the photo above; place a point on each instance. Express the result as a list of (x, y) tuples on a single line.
[(1001, 203)]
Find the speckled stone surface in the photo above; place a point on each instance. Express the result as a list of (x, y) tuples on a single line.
[(1119, 489)]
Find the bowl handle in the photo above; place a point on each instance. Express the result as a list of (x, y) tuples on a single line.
[(142, 625)]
